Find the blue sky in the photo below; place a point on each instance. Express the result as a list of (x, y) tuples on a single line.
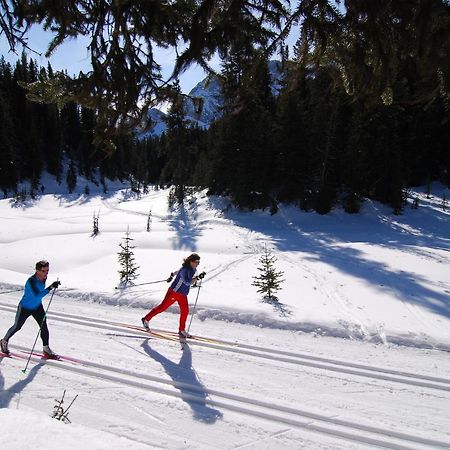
[(73, 57)]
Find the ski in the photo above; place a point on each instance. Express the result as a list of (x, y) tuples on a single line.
[(157, 334), (12, 355), (165, 336), (53, 358), (43, 355), (174, 336), (197, 338)]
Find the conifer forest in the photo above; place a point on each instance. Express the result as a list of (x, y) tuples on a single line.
[(362, 112)]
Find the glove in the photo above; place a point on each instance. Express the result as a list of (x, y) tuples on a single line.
[(170, 278), (201, 275), (55, 285)]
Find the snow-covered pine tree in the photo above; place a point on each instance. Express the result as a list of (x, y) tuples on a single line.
[(269, 280), (126, 260)]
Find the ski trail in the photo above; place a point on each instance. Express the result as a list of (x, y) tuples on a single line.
[(300, 418), (302, 359)]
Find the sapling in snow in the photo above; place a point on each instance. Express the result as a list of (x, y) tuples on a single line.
[(149, 220), (61, 413), (269, 280), (95, 229), (126, 260)]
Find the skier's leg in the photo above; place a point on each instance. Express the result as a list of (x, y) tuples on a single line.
[(39, 316), (168, 301), (184, 310), (21, 316)]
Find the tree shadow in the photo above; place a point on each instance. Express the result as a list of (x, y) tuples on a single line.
[(325, 240), (187, 381), (187, 230), (281, 309), (7, 395)]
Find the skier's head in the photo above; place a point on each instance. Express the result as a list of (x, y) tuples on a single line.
[(193, 258), (41, 264), (42, 268)]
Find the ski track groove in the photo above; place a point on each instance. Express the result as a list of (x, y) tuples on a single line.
[(344, 429), (318, 362)]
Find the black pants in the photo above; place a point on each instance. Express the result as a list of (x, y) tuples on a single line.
[(22, 315)]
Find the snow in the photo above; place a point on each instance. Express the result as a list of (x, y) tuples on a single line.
[(368, 293)]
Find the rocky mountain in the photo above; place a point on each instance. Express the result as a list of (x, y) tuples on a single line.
[(209, 90)]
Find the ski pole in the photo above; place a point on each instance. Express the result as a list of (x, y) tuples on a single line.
[(195, 304), (142, 284), (39, 332), (9, 292)]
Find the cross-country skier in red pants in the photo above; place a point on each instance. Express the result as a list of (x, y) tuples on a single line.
[(178, 292)]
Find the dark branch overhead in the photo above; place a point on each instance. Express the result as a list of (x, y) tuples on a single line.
[(370, 43)]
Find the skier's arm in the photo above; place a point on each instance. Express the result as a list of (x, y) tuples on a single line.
[(35, 288)]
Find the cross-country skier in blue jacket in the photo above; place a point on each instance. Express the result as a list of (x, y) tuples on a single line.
[(31, 305)]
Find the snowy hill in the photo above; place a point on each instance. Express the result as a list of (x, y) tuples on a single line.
[(342, 272), (360, 333)]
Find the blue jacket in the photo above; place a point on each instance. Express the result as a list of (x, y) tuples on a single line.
[(34, 292), (183, 280)]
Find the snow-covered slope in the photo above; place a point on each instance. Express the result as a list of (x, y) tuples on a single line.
[(320, 369), (373, 276)]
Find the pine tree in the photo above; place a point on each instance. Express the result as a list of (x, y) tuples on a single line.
[(242, 155), (149, 220), (126, 260), (292, 144), (8, 141), (177, 168), (71, 177), (269, 280)]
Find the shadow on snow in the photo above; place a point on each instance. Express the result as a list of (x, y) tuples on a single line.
[(192, 390)]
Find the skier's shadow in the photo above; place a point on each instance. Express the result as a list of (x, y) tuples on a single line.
[(192, 390), (7, 395)]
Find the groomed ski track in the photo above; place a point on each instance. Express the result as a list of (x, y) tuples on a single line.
[(303, 359), (297, 417)]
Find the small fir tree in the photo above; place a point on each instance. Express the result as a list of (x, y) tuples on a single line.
[(149, 220), (269, 280), (126, 260), (95, 229)]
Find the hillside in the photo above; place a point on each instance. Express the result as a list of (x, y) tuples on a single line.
[(320, 369), (372, 276)]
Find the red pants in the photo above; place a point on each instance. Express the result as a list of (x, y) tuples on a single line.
[(170, 298)]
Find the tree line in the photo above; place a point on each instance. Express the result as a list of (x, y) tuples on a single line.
[(311, 144), (57, 138)]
